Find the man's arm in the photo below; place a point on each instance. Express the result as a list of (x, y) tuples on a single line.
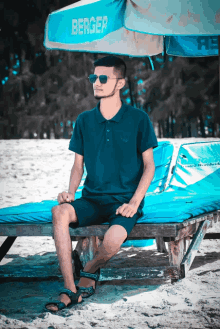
[(129, 209), (146, 179), (76, 173)]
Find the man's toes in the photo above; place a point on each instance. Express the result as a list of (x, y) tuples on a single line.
[(63, 298), (52, 307)]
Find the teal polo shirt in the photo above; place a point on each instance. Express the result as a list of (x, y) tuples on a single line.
[(112, 150)]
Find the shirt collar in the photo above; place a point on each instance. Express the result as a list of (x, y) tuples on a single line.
[(116, 118)]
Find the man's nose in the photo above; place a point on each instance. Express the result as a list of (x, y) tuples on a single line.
[(97, 82)]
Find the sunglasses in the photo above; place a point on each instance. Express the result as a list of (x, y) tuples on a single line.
[(102, 78)]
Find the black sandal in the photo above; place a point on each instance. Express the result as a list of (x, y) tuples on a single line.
[(72, 295), (89, 290)]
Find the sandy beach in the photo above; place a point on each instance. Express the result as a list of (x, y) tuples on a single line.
[(36, 170)]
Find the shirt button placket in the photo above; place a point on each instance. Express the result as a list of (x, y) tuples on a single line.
[(108, 130)]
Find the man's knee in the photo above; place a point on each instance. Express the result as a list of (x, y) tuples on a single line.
[(115, 236), (63, 212)]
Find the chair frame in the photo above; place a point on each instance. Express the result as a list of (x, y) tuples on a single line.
[(177, 235)]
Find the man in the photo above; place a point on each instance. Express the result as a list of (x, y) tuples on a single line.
[(116, 143)]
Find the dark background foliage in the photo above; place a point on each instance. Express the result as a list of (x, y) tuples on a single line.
[(43, 91)]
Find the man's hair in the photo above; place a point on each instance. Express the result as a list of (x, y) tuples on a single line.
[(113, 61)]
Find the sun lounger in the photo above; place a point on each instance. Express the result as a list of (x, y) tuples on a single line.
[(182, 211), (25, 217)]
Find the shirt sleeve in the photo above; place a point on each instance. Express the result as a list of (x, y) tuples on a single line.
[(146, 135), (76, 142)]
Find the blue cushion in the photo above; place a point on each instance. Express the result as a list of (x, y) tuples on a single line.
[(194, 189)]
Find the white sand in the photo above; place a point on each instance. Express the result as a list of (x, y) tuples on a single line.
[(35, 170)]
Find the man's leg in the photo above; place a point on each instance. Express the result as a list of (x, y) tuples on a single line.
[(63, 215), (112, 242)]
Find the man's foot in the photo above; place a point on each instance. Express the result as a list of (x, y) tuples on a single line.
[(86, 283), (64, 298)]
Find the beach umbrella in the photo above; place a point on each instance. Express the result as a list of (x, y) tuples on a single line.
[(169, 17), (190, 28), (97, 26), (137, 28)]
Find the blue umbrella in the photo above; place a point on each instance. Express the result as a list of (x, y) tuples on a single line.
[(136, 27), (97, 26), (173, 17), (192, 46), (191, 28)]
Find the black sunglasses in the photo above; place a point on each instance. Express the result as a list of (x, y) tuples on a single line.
[(102, 78)]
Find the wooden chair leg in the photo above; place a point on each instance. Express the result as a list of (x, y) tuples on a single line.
[(161, 247), (6, 245), (193, 248), (176, 252), (186, 243)]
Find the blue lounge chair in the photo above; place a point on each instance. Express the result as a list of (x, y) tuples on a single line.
[(182, 210)]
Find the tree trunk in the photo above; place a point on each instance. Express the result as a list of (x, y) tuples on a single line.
[(194, 128), (5, 135), (184, 128), (159, 129), (41, 131), (202, 129), (14, 133), (189, 132), (217, 130), (163, 128), (213, 125), (172, 126), (13, 126), (65, 130), (168, 127), (48, 131), (54, 127)]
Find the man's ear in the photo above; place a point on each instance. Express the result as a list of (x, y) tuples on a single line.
[(121, 83)]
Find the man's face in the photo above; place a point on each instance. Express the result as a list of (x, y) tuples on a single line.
[(108, 89)]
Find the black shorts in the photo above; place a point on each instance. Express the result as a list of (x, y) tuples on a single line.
[(102, 209)]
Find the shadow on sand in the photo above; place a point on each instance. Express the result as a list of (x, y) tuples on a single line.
[(24, 298)]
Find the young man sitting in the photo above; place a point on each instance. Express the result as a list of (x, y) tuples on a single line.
[(115, 141)]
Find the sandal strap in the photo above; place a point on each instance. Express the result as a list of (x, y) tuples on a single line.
[(72, 295), (94, 276), (88, 290)]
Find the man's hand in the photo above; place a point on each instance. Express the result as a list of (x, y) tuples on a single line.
[(127, 210), (65, 197)]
